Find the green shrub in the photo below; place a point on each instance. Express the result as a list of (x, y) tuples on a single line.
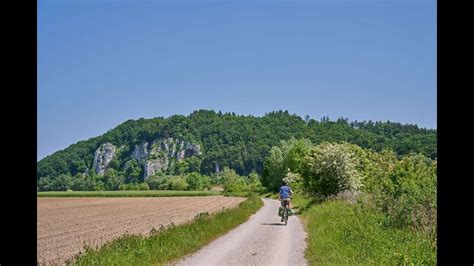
[(143, 186), (153, 182), (216, 179), (414, 195), (332, 167), (112, 180), (405, 190), (232, 181), (84, 183), (158, 182), (288, 156), (45, 184), (197, 181), (253, 182), (178, 183)]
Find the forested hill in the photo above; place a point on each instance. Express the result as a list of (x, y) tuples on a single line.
[(222, 139)]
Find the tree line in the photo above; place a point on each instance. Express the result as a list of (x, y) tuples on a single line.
[(238, 142)]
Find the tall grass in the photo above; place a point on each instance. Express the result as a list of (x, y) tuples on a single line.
[(128, 193), (344, 234), (169, 244)]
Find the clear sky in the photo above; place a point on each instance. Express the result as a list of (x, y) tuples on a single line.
[(103, 62)]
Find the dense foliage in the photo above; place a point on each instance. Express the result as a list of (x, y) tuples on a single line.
[(403, 188), (332, 168), (235, 141)]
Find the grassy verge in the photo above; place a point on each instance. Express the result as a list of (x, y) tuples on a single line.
[(343, 234), (127, 193), (172, 243)]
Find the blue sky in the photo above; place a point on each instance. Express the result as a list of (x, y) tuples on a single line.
[(103, 62)]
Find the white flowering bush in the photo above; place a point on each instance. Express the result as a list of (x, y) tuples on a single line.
[(333, 167), (294, 180)]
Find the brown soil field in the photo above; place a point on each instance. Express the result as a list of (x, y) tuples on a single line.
[(66, 225)]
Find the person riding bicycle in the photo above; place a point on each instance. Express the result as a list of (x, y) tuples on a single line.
[(285, 195)]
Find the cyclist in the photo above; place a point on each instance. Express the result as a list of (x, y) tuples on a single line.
[(285, 194)]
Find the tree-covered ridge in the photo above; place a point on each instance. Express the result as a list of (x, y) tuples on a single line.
[(237, 141)]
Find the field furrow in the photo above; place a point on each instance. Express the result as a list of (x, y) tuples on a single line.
[(65, 225)]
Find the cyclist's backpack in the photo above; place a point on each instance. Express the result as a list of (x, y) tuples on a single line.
[(280, 212)]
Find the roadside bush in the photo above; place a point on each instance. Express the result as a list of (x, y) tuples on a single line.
[(414, 194), (332, 167), (376, 170), (405, 190)]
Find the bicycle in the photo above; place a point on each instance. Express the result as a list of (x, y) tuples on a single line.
[(285, 211)]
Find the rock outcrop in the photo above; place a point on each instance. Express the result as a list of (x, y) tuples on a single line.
[(102, 157), (141, 152), (163, 154)]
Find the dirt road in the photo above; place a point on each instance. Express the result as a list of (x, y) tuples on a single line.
[(66, 224), (263, 240)]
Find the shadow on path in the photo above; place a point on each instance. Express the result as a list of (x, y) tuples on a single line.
[(280, 224)]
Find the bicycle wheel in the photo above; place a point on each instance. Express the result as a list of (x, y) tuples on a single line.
[(286, 215)]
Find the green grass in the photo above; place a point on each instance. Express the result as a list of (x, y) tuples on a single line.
[(343, 234), (127, 193), (172, 243)]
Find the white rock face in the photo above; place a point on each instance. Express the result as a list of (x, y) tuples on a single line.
[(153, 167), (141, 152), (102, 157), (163, 154)]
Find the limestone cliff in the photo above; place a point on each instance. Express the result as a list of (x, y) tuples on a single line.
[(102, 157), (162, 154)]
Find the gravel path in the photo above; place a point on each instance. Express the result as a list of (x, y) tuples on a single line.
[(263, 240)]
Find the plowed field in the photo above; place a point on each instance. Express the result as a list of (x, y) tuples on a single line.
[(66, 225)]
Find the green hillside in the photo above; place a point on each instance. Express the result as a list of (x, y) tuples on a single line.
[(223, 140)]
